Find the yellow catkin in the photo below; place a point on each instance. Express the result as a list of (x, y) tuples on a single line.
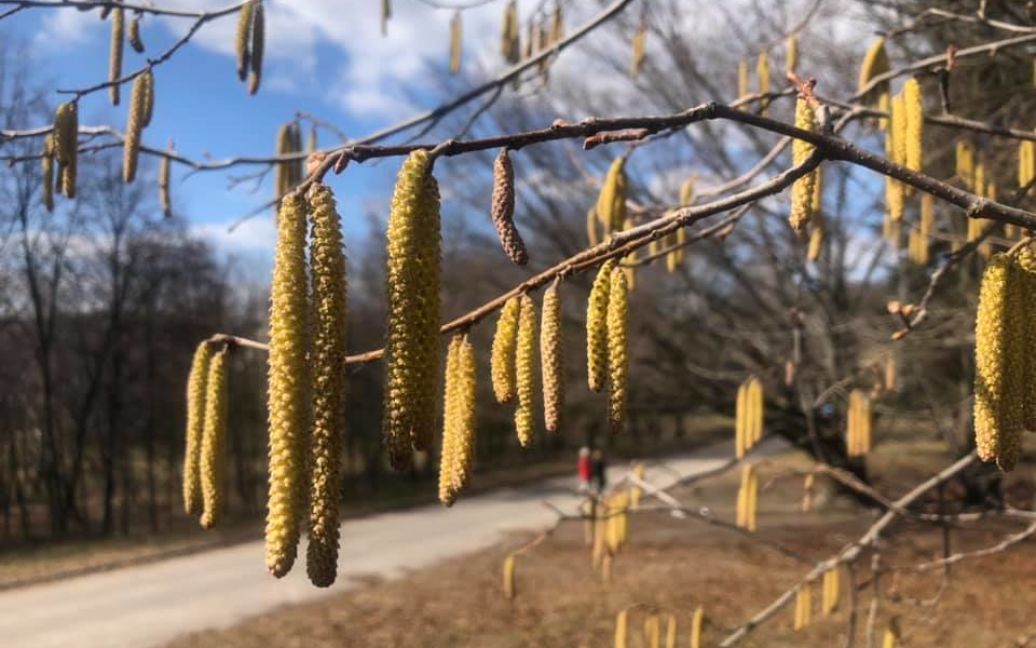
[(742, 79), (66, 145), (258, 44), (618, 349), (891, 635), (803, 607), (525, 372), (115, 53), (670, 631), (895, 150), (757, 398), (241, 39), (592, 235), (611, 202), (502, 209), (1027, 307), (552, 360), (687, 191), (998, 416), (47, 172), (808, 484), (832, 591), (913, 102), (288, 387), (964, 162), (875, 62), (597, 328), (327, 261), (133, 35), (456, 39), (458, 438), (412, 280), (697, 626), (639, 42), (803, 188), (762, 77), (164, 198), (149, 98), (448, 450), (1026, 162), (599, 546), (214, 442), (509, 580), (816, 243), (744, 510), (652, 631), (791, 54), (197, 389), (740, 416), (752, 502), (622, 629), (134, 127), (502, 360), (890, 373)]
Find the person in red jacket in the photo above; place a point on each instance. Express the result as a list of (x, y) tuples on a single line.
[(585, 469)]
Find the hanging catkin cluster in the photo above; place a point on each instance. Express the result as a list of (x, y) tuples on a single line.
[(747, 498), (287, 175), (197, 389), (803, 606), (288, 388), (456, 41), (213, 441), (830, 592), (328, 291), (597, 328), (525, 372), (502, 360), (552, 360), (412, 279), (749, 416), (611, 202), (803, 189), (1003, 371), (458, 434), (115, 54), (618, 349), (249, 42), (858, 424), (502, 209), (639, 42), (66, 146)]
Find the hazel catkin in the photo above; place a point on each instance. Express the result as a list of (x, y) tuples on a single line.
[(66, 146), (697, 626), (552, 359), (133, 35), (327, 359), (802, 190), (134, 128), (611, 202), (525, 372), (242, 38), (258, 44), (502, 360), (510, 591), (913, 107), (47, 172), (875, 62), (115, 54), (163, 186), (503, 209), (197, 390), (456, 36), (288, 387), (597, 328), (213, 442), (618, 349)]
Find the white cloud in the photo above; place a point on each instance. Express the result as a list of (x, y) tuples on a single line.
[(255, 234), (64, 28)]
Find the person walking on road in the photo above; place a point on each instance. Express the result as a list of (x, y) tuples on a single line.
[(585, 470), (599, 467)]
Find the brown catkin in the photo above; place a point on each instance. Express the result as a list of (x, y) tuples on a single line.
[(502, 360), (197, 390), (149, 97), (66, 145), (998, 416), (510, 590), (412, 281), (525, 372), (258, 44), (618, 349), (597, 328), (327, 359), (214, 441), (133, 35), (803, 188), (639, 42), (288, 387), (552, 360), (456, 40), (134, 127), (241, 39), (115, 54), (47, 172), (163, 186), (502, 209)]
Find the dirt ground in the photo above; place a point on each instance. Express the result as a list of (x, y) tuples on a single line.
[(674, 565)]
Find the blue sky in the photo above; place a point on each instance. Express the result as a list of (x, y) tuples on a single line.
[(337, 67)]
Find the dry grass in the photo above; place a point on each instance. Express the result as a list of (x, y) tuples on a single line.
[(675, 565)]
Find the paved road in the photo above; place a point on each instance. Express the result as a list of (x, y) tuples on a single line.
[(151, 604)]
